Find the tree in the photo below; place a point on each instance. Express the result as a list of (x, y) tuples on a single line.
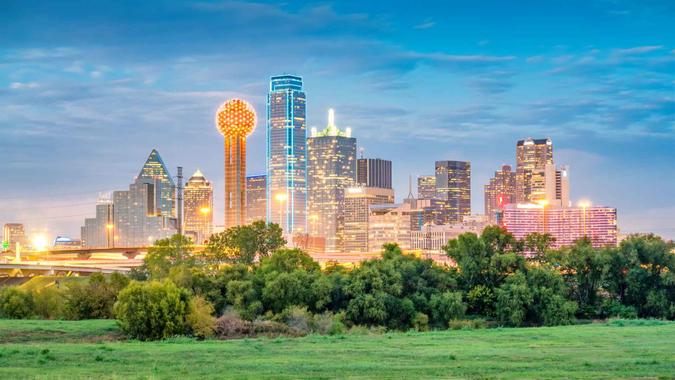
[(446, 307), (241, 244), (153, 310), (538, 246), (167, 253), (95, 298), (15, 303)]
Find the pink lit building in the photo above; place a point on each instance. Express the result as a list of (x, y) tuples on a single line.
[(565, 224)]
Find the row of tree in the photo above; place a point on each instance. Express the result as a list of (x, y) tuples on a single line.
[(245, 271)]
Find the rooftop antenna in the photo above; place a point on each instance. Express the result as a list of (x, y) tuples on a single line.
[(361, 150), (410, 192)]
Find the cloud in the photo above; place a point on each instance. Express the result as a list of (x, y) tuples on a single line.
[(638, 50), (19, 85), (426, 24)]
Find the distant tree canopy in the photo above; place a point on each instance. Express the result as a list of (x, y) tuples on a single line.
[(241, 244)]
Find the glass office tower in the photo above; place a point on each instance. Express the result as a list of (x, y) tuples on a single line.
[(287, 154)]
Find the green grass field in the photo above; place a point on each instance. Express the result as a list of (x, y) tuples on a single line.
[(87, 349)]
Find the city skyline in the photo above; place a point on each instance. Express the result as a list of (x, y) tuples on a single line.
[(623, 161)]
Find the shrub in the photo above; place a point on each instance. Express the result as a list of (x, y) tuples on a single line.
[(447, 306), (95, 299), (49, 303), (298, 319), (230, 325), (15, 303), (152, 310), (614, 309), (421, 322), (270, 328), (201, 319), (467, 324), (329, 323)]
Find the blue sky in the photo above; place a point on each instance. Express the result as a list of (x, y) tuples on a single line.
[(88, 89)]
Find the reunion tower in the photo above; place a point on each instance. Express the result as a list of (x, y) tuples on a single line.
[(235, 119)]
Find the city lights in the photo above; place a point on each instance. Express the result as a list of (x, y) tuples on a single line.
[(39, 242)]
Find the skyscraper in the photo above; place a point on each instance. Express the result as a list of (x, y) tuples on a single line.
[(453, 189), (14, 233), (286, 154), (356, 209), (99, 231), (235, 120), (373, 172), (426, 187), (256, 198), (499, 192), (393, 223), (331, 169), (142, 214), (532, 156), (198, 202)]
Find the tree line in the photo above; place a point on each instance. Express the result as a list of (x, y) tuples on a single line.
[(246, 283)]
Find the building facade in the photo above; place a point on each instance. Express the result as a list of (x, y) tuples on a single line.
[(453, 189), (565, 224), (532, 156), (198, 204), (235, 119), (432, 238), (426, 187), (140, 215), (392, 223), (373, 172), (500, 192), (356, 209), (13, 234), (287, 154), (256, 198), (331, 169)]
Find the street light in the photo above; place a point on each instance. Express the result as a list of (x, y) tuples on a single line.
[(281, 198)]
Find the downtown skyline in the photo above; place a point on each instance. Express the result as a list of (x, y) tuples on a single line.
[(485, 95)]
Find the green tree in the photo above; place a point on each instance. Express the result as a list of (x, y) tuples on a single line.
[(241, 244), (95, 298), (538, 246), (167, 253), (15, 303), (447, 306), (153, 310)]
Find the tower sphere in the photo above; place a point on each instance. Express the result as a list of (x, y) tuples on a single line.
[(235, 118)]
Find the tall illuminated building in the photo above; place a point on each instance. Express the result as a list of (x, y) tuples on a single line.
[(287, 154), (198, 204), (99, 231), (532, 156), (500, 192), (356, 209), (453, 189), (426, 187), (256, 198), (331, 169), (14, 233), (373, 172), (235, 119)]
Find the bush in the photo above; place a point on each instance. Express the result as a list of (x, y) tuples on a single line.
[(49, 303), (15, 303), (152, 310), (271, 328), (467, 324), (329, 323), (298, 319), (447, 306), (95, 299), (614, 309), (201, 319), (230, 325), (421, 322)]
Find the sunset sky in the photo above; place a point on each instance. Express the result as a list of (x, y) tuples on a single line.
[(88, 89)]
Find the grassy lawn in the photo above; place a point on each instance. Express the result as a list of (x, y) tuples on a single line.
[(638, 349)]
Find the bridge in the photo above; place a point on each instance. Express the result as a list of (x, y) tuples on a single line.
[(36, 268)]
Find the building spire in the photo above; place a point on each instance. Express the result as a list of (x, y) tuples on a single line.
[(331, 117)]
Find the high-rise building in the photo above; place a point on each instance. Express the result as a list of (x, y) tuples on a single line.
[(286, 154), (235, 120), (140, 215), (453, 188), (356, 209), (99, 232), (373, 172), (565, 224), (500, 192), (14, 233), (426, 187), (331, 168), (557, 188), (198, 203), (392, 223), (256, 198), (532, 156), (432, 238)]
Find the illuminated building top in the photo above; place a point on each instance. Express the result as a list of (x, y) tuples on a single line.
[(236, 118)]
